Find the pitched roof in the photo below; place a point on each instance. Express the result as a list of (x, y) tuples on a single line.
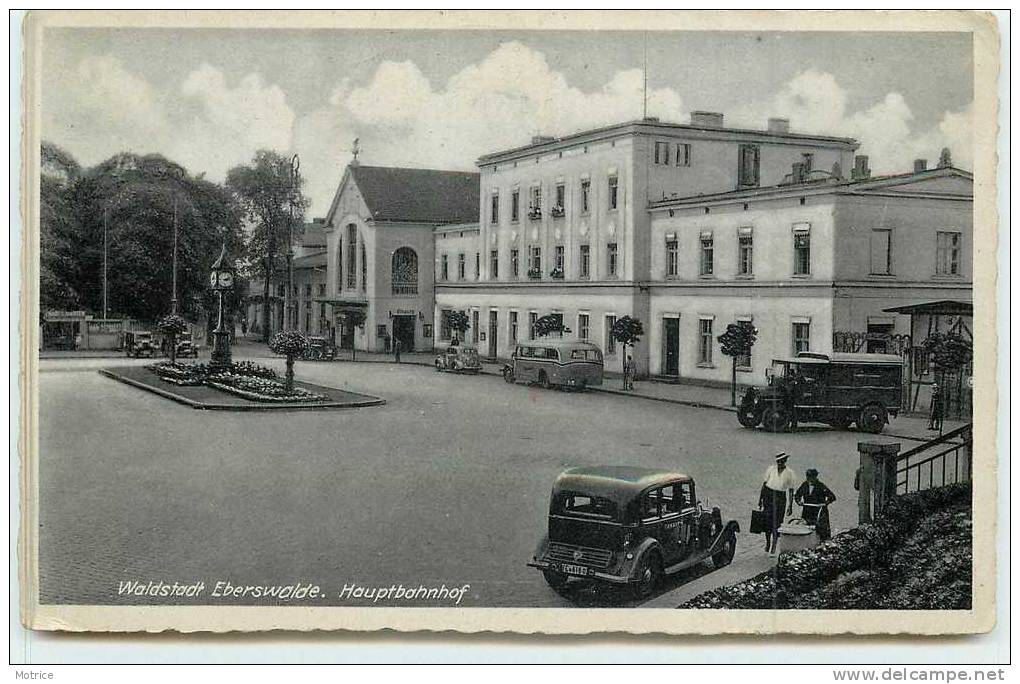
[(418, 195), (314, 234)]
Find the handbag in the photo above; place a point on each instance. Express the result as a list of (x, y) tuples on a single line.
[(757, 521)]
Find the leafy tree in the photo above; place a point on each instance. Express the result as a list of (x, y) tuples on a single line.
[(737, 341), (355, 318), (270, 197), (291, 344), (627, 331), (133, 198), (550, 325), (171, 326), (458, 322)]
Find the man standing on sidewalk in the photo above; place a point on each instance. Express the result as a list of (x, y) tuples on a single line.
[(396, 349)]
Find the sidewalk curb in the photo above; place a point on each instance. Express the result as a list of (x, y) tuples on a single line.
[(667, 400)]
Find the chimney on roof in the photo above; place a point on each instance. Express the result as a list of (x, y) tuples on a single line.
[(707, 119), (777, 125), (861, 170), (920, 165)]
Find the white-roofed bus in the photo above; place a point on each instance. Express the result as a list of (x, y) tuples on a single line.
[(568, 364)]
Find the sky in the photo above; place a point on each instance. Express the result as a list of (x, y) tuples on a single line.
[(209, 98)]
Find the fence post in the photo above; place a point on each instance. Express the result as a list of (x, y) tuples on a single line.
[(876, 478)]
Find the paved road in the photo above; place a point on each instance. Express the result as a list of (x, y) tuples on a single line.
[(447, 483)]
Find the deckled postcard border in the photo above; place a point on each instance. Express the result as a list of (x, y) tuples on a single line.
[(980, 618)]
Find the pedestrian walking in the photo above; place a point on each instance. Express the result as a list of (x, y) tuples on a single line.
[(396, 350), (935, 412), (628, 372), (776, 498), (814, 498)]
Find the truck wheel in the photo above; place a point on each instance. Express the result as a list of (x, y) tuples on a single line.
[(776, 419), (439, 366), (748, 417), (555, 579), (649, 574), (724, 556), (873, 419)]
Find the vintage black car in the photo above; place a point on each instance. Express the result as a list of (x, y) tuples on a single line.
[(458, 359), (629, 526), (837, 389), (139, 343), (185, 346), (320, 349)]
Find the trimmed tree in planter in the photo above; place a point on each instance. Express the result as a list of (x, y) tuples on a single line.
[(171, 326), (459, 323), (627, 331), (291, 344), (550, 325), (354, 318), (737, 341), (950, 352)]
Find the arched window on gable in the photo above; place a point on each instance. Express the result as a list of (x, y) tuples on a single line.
[(352, 256), (404, 273)]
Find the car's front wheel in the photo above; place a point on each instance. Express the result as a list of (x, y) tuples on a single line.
[(508, 374), (873, 419), (776, 419), (649, 574), (724, 555), (748, 416), (439, 366)]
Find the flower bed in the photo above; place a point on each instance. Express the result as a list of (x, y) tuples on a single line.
[(260, 389), (916, 557), (244, 379)]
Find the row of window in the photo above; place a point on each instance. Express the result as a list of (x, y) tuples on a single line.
[(534, 271), (558, 208), (745, 252), (947, 259), (281, 290)]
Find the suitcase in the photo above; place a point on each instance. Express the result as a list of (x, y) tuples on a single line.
[(757, 521)]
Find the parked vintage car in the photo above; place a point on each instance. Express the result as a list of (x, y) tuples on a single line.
[(629, 526), (320, 349), (458, 359), (185, 346), (139, 343), (561, 363), (838, 389)]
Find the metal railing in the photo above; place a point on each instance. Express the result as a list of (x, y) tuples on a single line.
[(402, 287), (942, 461)]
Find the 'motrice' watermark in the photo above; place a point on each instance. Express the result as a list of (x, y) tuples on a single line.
[(399, 592)]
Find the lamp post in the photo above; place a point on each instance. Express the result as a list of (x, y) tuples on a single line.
[(178, 174), (221, 279), (295, 164)]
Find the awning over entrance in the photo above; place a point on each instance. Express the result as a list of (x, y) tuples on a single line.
[(344, 303), (945, 307)]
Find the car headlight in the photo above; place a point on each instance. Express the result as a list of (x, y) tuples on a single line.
[(627, 539)]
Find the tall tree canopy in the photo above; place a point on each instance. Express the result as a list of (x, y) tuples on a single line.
[(134, 197), (270, 196)]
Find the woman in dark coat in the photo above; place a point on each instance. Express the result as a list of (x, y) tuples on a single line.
[(813, 491)]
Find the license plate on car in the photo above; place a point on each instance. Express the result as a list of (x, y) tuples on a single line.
[(575, 570)]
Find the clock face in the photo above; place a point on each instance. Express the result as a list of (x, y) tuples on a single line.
[(226, 279), (212, 279)]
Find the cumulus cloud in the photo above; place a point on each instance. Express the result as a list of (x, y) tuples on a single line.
[(205, 122), (513, 93), (815, 102), (210, 121)]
